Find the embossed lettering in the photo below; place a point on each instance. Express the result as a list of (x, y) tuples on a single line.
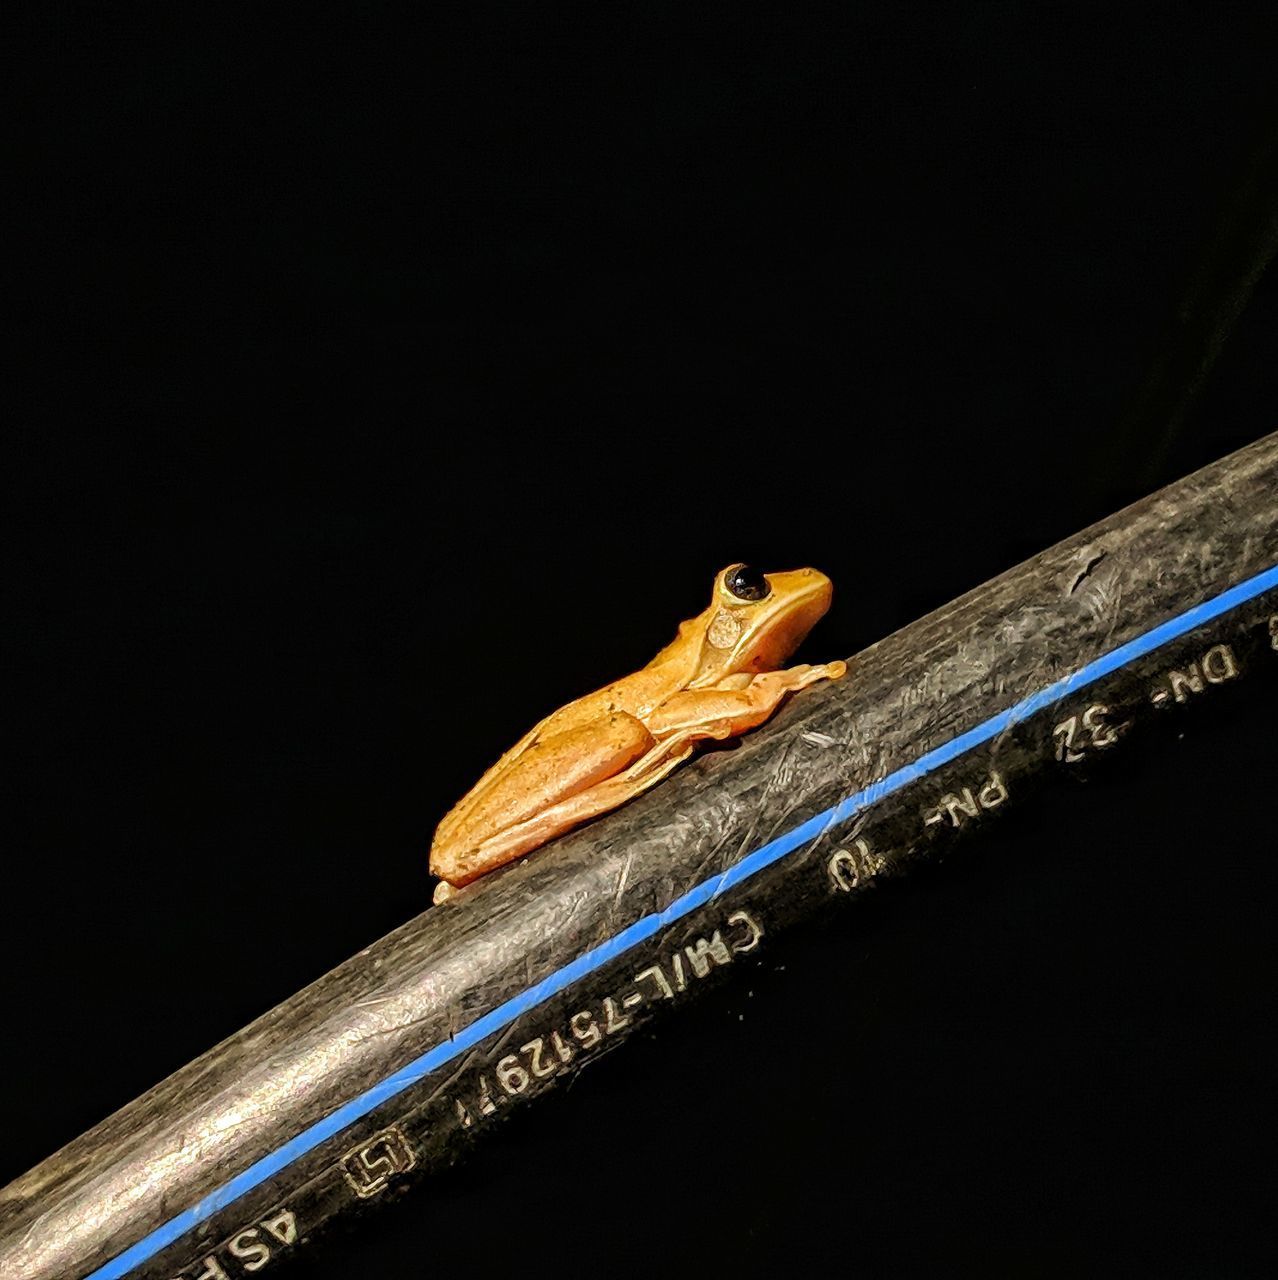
[(284, 1225), (370, 1167), (753, 931), (1219, 664), (511, 1074), (705, 952), (853, 866), (249, 1248), (585, 1028), (657, 974), (540, 1067), (213, 1270), (613, 1021)]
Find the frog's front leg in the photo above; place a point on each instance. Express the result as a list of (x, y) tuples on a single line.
[(725, 711)]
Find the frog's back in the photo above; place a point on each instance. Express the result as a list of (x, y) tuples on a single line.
[(633, 695)]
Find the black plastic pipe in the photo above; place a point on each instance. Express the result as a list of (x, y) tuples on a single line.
[(392, 1064)]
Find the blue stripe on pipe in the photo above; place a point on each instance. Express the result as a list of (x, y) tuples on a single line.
[(641, 930)]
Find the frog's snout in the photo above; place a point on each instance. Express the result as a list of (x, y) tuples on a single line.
[(808, 591)]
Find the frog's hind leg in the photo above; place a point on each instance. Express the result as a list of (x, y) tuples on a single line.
[(552, 770), (523, 837)]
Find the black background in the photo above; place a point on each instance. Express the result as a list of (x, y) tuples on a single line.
[(389, 382)]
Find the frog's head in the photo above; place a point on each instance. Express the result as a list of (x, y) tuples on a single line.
[(757, 620)]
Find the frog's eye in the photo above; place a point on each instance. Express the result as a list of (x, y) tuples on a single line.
[(746, 583)]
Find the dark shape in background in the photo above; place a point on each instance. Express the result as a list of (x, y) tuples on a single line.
[(390, 385), (1238, 252)]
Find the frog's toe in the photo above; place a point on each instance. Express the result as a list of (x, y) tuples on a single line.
[(826, 671), (443, 891)]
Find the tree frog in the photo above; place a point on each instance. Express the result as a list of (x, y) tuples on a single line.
[(719, 677)]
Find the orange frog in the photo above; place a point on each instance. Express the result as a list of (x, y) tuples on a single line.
[(719, 677)]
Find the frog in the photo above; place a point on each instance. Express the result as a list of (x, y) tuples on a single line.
[(721, 676)]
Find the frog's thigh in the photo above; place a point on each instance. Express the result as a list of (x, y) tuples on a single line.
[(714, 713), (553, 770), (523, 837)]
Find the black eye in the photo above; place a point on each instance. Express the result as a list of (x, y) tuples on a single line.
[(747, 583)]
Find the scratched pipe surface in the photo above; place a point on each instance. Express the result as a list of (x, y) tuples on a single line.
[(162, 1155)]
